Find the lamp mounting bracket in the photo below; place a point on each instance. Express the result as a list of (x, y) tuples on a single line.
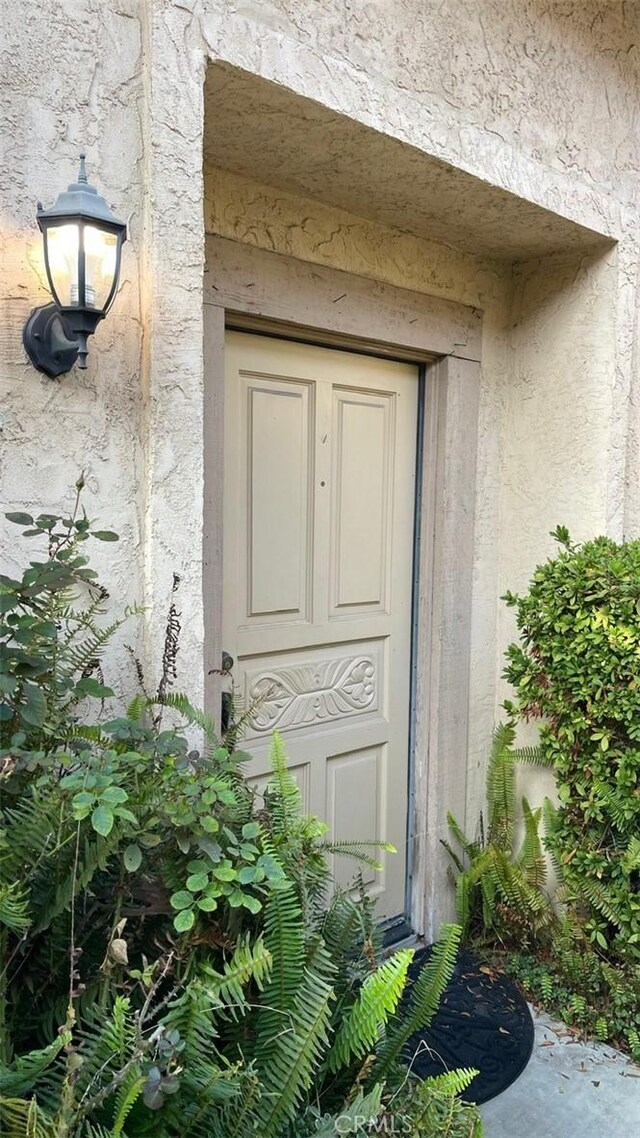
[(49, 342)]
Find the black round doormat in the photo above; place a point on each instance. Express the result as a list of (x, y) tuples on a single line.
[(483, 1022)]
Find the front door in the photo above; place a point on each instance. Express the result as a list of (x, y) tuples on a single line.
[(319, 496)]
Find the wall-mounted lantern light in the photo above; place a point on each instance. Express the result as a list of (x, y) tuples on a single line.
[(82, 251)]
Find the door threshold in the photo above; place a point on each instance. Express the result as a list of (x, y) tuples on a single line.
[(396, 931)]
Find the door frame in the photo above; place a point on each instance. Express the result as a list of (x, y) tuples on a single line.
[(249, 289)]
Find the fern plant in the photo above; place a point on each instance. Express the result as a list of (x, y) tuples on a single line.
[(500, 889)]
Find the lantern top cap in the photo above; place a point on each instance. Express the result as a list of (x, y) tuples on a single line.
[(81, 200)]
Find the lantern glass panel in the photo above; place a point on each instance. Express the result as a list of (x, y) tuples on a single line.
[(62, 254), (101, 248)]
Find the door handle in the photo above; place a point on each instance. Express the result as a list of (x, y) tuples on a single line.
[(226, 702)]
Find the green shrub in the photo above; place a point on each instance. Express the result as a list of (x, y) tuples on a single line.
[(170, 965), (576, 669)]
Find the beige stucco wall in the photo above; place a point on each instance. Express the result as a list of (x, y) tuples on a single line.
[(537, 98), (67, 71)]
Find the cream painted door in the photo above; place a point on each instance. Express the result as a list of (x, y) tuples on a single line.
[(319, 499)]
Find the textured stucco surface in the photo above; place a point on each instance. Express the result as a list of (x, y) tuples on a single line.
[(529, 105), (67, 70)]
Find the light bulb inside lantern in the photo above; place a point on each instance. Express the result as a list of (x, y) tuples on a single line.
[(62, 251), (100, 249)]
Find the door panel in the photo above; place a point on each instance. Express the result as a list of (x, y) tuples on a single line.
[(362, 494), (277, 497), (318, 551)]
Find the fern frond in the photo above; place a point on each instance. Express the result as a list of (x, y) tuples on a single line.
[(463, 900), (284, 940), (360, 1114), (181, 703), (631, 858), (127, 1097), (517, 891), (488, 892), (14, 908), (289, 1065), (250, 962), (20, 1118), (94, 1130), (24, 1072), (597, 896), (471, 849), (345, 930), (355, 850), (532, 757), (238, 1118), (531, 857), (137, 708), (73, 619), (452, 1082), (94, 855), (377, 999), (501, 787), (550, 824), (78, 657), (453, 855), (106, 1047), (424, 1000), (282, 793)]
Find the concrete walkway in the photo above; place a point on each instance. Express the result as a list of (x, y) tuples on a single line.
[(568, 1090)]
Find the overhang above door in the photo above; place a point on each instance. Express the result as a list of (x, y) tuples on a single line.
[(273, 135)]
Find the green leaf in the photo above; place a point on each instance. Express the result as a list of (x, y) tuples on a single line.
[(8, 684), (181, 899), (251, 903), (34, 710), (91, 687), (20, 519), (132, 858), (122, 812), (211, 848), (210, 824), (184, 921), (197, 882), (82, 800), (198, 866), (251, 830), (114, 795), (224, 873), (45, 521), (102, 820), (207, 904), (149, 841), (105, 535)]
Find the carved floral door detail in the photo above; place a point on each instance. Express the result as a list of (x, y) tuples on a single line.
[(318, 547)]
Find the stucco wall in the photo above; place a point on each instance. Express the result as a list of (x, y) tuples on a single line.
[(68, 70), (537, 97)]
